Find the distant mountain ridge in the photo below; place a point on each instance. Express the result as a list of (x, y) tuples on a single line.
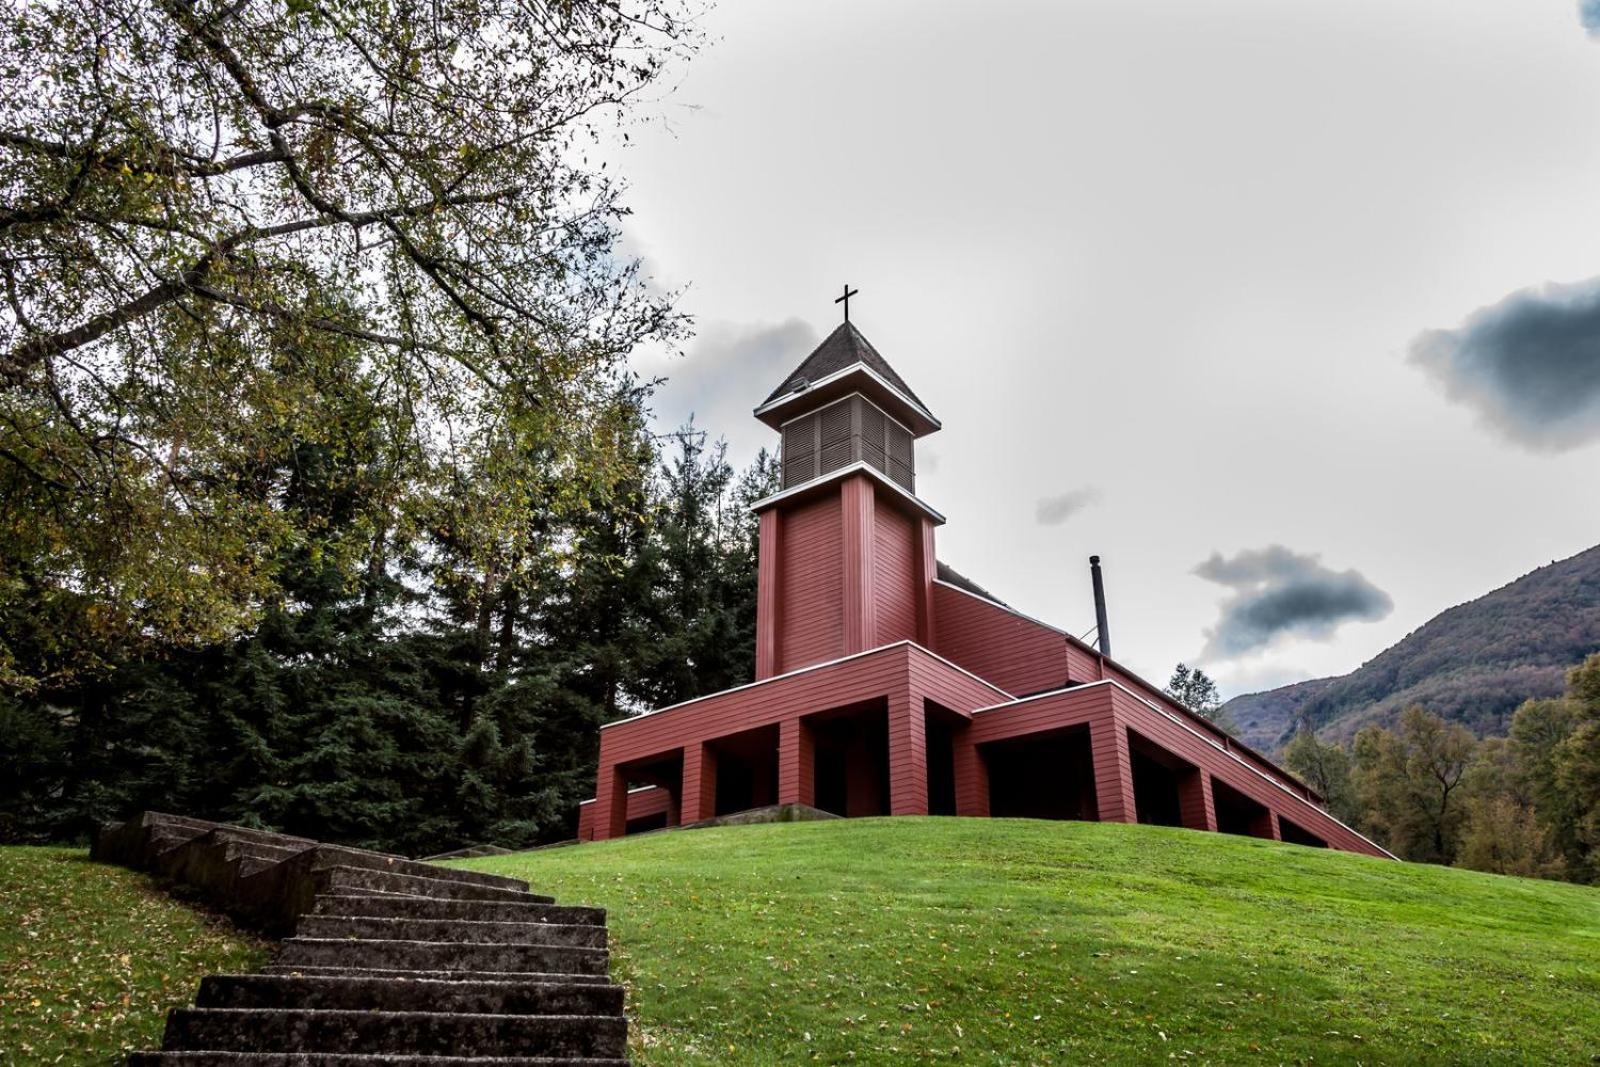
[(1473, 664)]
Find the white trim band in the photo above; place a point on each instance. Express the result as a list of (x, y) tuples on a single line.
[(828, 379), (806, 670)]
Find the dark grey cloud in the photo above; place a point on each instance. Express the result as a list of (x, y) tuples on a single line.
[(1529, 365), (1277, 592), (725, 372), (1055, 510), (1589, 15)]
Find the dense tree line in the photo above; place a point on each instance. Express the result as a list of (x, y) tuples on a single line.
[(420, 699), (326, 499), (1527, 803)]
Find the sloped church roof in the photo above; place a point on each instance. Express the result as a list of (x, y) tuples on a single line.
[(844, 347)]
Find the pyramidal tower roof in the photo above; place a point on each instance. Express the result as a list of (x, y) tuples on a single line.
[(846, 361), (843, 347)]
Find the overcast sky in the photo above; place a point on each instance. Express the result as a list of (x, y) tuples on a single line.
[(1285, 308)]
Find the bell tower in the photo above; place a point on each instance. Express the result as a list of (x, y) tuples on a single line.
[(846, 553)]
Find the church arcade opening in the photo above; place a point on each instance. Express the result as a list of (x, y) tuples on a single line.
[(1296, 834), (747, 770), (1238, 814), (1042, 776), (850, 757), (656, 808), (1156, 774), (940, 726)]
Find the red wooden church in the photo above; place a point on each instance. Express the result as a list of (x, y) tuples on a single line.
[(888, 684)]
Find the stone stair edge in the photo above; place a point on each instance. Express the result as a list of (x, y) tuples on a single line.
[(509, 979), (509, 892), (291, 970), (415, 1032), (152, 820), (378, 904), (370, 1013), (218, 1058), (490, 968)]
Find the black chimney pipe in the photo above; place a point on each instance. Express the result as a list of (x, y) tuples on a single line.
[(1101, 629)]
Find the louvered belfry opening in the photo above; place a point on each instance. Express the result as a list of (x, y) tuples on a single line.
[(849, 430)]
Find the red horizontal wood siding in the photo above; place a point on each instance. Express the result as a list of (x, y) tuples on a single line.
[(811, 585), (895, 580), (1216, 733), (1180, 738), (1017, 654), (903, 676), (1082, 664), (769, 553), (1110, 712)]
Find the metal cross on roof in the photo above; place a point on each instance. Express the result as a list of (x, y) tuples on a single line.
[(845, 299)]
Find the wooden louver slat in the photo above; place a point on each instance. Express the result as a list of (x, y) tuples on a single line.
[(847, 431), (836, 450), (799, 459)]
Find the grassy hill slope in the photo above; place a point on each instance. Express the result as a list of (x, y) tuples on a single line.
[(1010, 941), (1472, 664), (92, 956)]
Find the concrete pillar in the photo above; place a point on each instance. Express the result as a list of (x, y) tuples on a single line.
[(611, 803), (797, 773), (972, 777), (699, 794), (1195, 804), (908, 755), (1113, 770)]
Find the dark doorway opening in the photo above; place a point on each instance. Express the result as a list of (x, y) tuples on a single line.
[(646, 823), (850, 757), (1296, 834), (1042, 776), (1238, 814), (940, 727), (747, 770), (1158, 781), (653, 809)]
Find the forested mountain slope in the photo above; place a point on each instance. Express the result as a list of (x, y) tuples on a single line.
[(1262, 720), (1473, 664)]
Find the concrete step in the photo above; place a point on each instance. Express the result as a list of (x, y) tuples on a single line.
[(176, 828), (348, 880), (216, 861), (355, 1059), (163, 841), (442, 956), (344, 856), (400, 906), (336, 993), (270, 838), (426, 1033), (261, 849), (404, 975), (373, 928), (169, 819), (249, 865), (129, 843)]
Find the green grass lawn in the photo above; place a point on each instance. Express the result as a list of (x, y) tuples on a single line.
[(91, 957), (1002, 941)]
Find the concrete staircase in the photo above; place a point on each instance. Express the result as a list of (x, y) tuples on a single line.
[(389, 962)]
